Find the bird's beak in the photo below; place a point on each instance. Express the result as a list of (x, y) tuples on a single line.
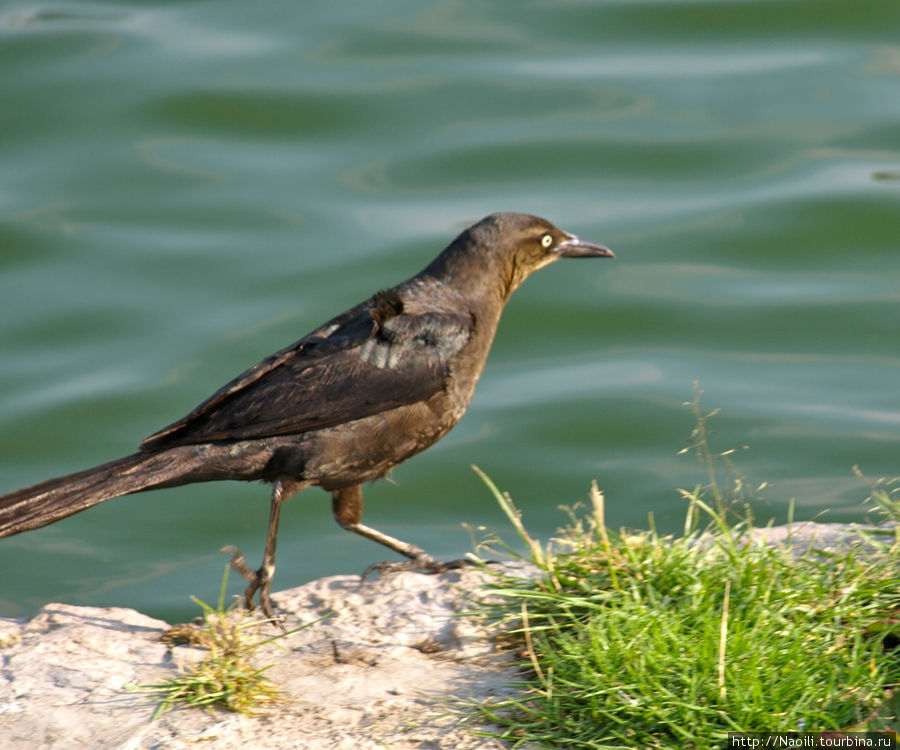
[(574, 247)]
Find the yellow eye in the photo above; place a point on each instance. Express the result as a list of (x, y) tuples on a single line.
[(547, 240)]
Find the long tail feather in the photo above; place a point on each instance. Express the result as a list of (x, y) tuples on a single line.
[(54, 499)]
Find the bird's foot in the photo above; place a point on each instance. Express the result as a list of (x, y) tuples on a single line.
[(259, 580), (423, 563)]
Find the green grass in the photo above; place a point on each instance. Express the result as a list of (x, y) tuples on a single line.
[(227, 677), (636, 640)]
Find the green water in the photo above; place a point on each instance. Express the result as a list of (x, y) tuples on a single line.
[(187, 186)]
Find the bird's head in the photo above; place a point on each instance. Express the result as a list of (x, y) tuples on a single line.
[(502, 249)]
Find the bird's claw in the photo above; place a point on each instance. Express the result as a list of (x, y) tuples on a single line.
[(238, 561), (426, 564), (259, 580)]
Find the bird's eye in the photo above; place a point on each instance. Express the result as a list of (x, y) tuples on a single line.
[(547, 240)]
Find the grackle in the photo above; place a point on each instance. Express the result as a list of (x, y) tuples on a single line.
[(341, 406)]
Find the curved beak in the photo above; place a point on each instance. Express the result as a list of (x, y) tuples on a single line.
[(578, 248)]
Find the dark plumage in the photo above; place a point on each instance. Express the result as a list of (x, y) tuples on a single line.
[(341, 406)]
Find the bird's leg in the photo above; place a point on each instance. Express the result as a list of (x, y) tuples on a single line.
[(347, 505), (261, 579)]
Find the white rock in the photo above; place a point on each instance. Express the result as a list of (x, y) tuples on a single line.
[(380, 672)]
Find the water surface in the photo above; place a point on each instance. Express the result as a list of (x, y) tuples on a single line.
[(187, 186)]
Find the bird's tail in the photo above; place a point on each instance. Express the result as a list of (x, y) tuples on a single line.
[(55, 499)]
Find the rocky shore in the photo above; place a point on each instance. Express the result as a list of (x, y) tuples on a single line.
[(386, 669)]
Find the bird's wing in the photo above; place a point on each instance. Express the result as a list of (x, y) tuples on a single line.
[(372, 358)]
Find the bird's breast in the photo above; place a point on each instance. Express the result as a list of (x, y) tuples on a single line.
[(368, 448)]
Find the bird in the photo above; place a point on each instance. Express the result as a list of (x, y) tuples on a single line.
[(341, 406)]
